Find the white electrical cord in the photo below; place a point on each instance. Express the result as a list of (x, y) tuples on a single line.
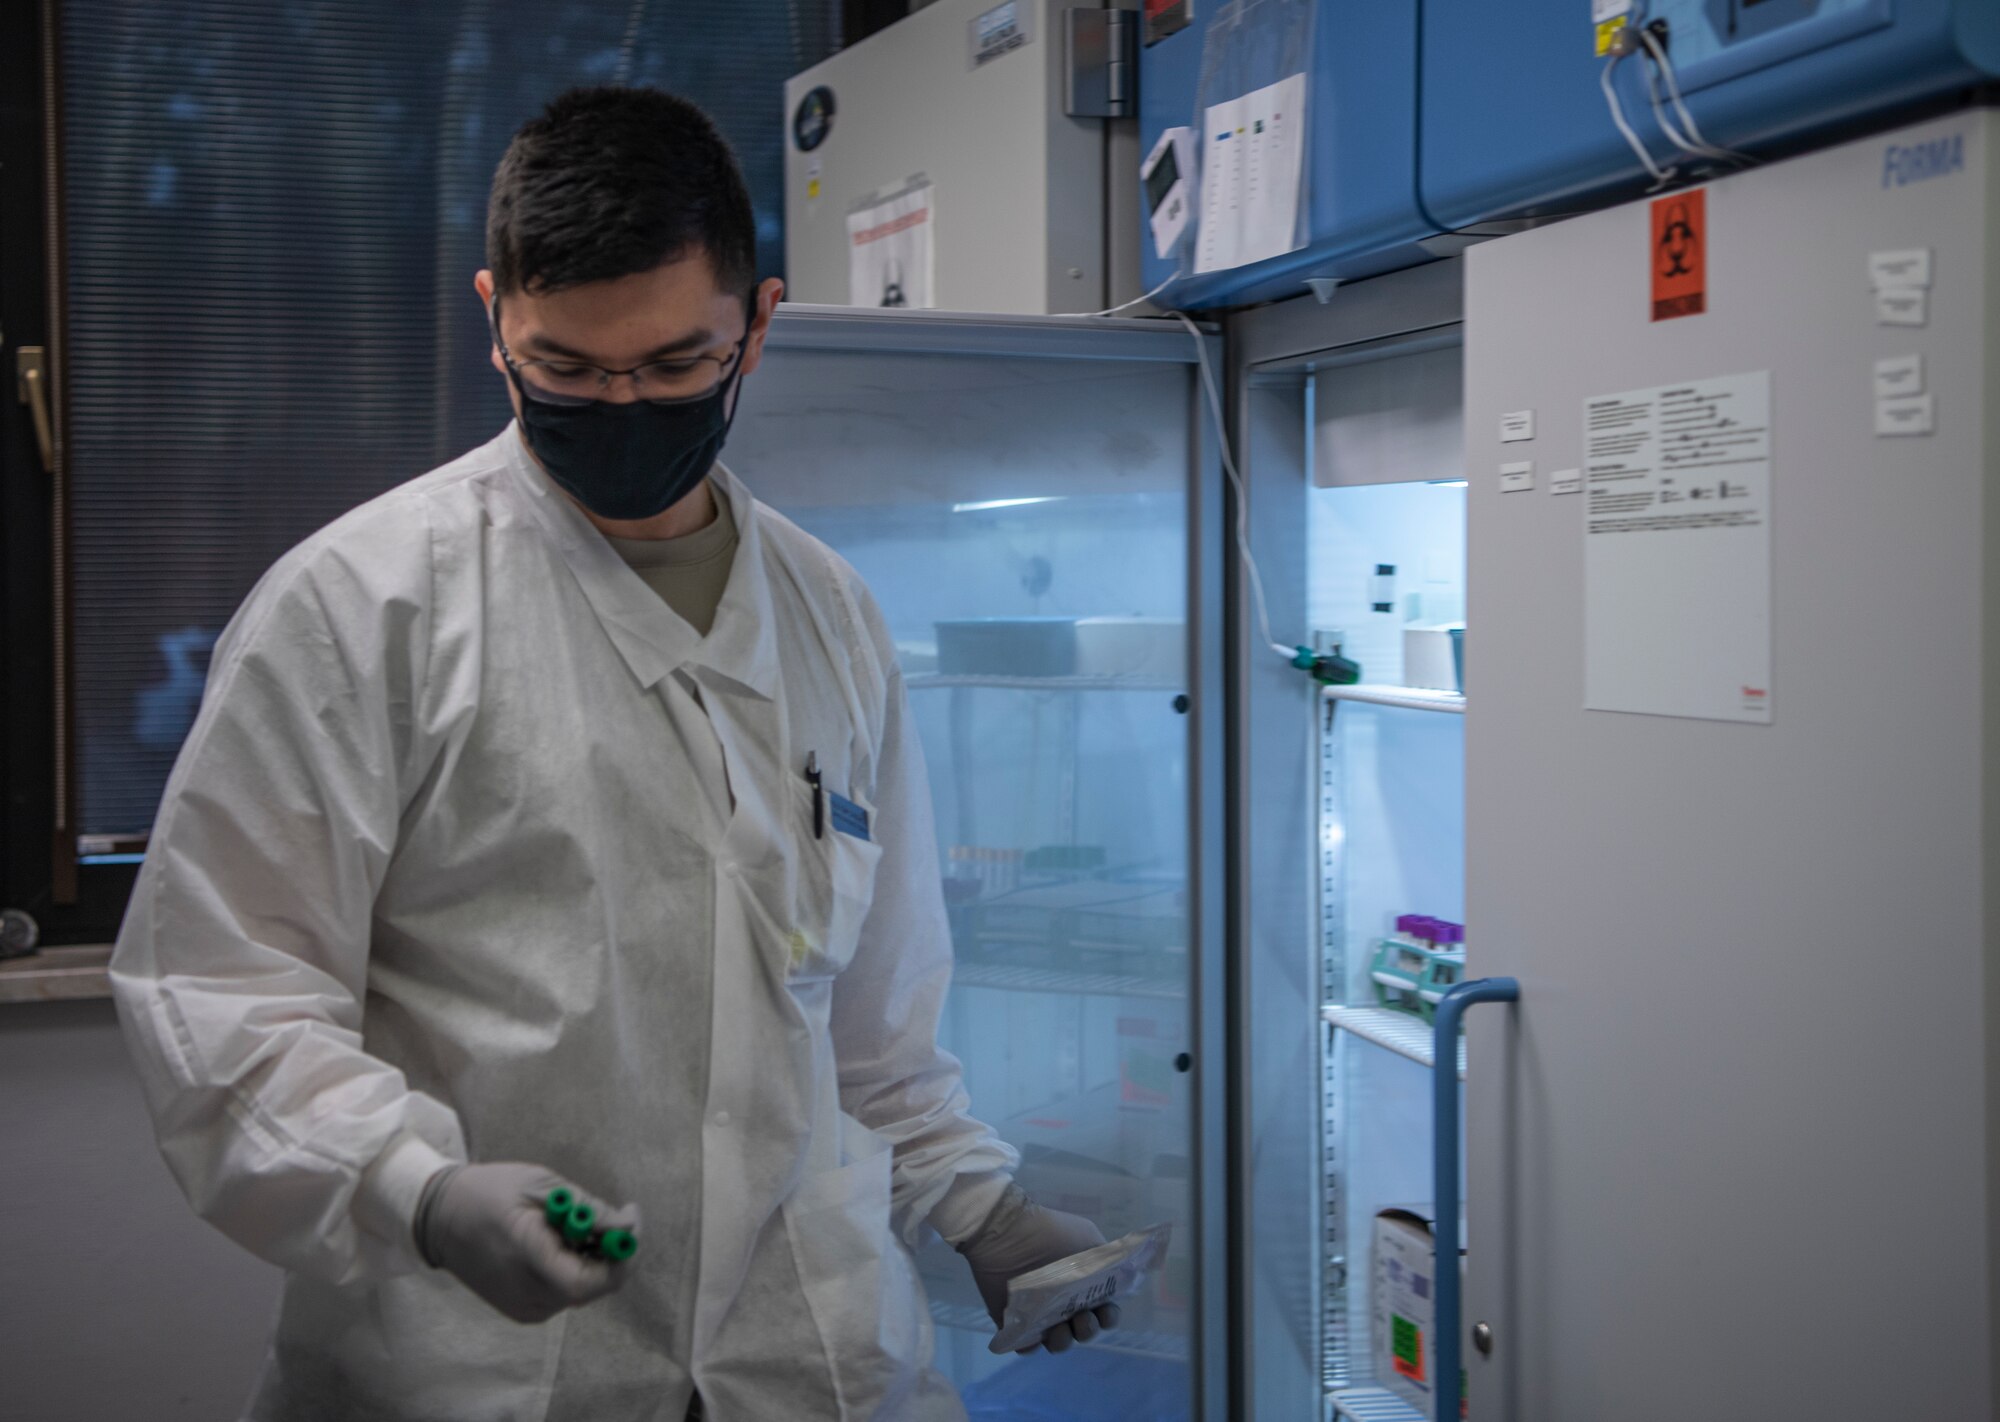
[(1661, 176), (1666, 123), (1688, 138), (1135, 301), (1236, 485), (1214, 402)]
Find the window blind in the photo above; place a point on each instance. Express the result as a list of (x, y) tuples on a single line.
[(275, 209)]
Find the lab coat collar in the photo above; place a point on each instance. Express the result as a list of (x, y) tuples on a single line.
[(651, 637)]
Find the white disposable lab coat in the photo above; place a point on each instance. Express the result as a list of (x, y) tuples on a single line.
[(478, 850)]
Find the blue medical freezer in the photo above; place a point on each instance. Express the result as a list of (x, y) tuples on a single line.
[(1514, 122), (1430, 117), (1362, 212)]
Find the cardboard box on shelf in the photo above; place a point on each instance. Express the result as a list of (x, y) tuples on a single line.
[(1402, 1288)]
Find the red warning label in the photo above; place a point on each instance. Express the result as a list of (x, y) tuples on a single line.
[(1680, 255)]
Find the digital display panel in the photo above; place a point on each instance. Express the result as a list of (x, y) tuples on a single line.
[(1161, 180)]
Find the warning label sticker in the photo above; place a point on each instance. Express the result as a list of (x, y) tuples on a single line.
[(1680, 255), (1608, 19)]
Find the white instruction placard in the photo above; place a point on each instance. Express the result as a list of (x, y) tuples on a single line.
[(1906, 415), (1677, 550), (891, 256), (1252, 157), (1902, 306), (1910, 267), (1896, 376)]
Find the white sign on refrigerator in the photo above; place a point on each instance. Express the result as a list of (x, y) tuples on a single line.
[(891, 258), (1252, 155), (1677, 550)]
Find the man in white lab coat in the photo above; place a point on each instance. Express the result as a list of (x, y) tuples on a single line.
[(556, 820)]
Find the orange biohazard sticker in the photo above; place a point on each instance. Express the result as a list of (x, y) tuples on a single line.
[(1680, 255)]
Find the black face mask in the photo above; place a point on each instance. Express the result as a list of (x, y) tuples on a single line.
[(631, 461), (627, 462)]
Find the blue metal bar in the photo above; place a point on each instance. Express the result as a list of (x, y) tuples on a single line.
[(1446, 1326)]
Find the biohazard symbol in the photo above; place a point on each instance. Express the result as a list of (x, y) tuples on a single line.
[(1680, 244), (1680, 256)]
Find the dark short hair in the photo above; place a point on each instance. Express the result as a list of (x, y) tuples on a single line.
[(608, 182)]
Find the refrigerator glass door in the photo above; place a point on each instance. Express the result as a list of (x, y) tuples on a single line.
[(1017, 494)]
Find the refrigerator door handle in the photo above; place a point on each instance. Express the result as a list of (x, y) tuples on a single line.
[(1444, 1125)]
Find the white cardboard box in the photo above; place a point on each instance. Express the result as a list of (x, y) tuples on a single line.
[(1430, 657), (1402, 1290)]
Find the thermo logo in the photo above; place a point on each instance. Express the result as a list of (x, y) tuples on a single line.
[(1906, 163)]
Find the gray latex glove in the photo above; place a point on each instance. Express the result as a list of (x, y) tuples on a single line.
[(488, 1226), (1020, 1236)]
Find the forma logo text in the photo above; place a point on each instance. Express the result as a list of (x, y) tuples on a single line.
[(1906, 163)]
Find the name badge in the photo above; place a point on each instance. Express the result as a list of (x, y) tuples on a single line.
[(848, 817)]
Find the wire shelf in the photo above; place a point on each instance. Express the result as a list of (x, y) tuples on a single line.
[(1164, 1347), (1372, 1404), (1010, 977), (1409, 698), (1395, 1031)]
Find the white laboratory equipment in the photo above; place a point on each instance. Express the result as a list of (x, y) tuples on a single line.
[(1675, 625), (1725, 486), (968, 157), (1735, 713)]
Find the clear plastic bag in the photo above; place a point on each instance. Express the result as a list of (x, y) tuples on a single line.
[(1040, 1299), (1256, 68)]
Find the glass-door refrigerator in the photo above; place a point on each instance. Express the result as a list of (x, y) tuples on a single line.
[(1032, 501), (1349, 815)]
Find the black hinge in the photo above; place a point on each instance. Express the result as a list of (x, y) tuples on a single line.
[(1102, 79)]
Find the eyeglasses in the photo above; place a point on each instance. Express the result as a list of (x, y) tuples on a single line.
[(660, 382)]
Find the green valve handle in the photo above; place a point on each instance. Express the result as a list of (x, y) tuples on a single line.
[(558, 1203), (1327, 668), (618, 1245)]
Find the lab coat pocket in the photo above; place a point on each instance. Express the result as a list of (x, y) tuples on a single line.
[(833, 889), (861, 1285)]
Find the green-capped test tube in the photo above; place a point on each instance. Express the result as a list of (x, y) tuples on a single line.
[(558, 1203), (578, 1224), (618, 1245)]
